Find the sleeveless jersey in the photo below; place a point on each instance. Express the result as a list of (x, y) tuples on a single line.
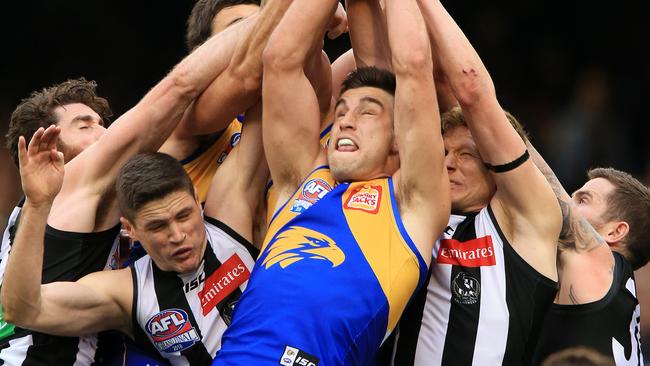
[(68, 256), (609, 325), (182, 316), (331, 281), (483, 305), (203, 163)]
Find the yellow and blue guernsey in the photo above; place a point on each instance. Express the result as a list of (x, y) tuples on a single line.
[(335, 273), (203, 163)]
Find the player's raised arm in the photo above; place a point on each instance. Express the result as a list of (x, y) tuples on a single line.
[(239, 86), (291, 108), (238, 185), (143, 128), (368, 33), (422, 184), (525, 214), (25, 301)]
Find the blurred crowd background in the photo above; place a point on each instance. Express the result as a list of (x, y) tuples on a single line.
[(575, 73)]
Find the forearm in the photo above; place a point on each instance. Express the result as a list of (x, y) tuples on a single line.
[(368, 33), (300, 30), (463, 67), (576, 231), (21, 287)]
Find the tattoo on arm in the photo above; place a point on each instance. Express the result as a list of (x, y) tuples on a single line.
[(577, 233)]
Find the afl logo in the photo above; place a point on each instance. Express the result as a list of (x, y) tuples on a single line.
[(171, 331), (315, 189), (466, 289)]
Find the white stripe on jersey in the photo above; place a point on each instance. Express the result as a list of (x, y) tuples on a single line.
[(211, 326), (15, 354), (492, 333), (493, 320), (6, 247)]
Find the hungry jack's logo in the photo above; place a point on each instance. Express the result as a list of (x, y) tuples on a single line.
[(366, 198), (298, 243)]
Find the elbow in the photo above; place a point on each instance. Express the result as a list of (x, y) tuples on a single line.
[(416, 62), (278, 57)]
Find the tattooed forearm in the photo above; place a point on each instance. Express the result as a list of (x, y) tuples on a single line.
[(576, 231)]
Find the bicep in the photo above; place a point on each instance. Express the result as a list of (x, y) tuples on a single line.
[(87, 308)]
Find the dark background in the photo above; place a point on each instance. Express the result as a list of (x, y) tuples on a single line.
[(575, 72)]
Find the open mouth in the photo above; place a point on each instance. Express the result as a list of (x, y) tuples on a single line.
[(346, 145), (182, 253)]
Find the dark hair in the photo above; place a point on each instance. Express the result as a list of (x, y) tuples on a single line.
[(199, 24), (454, 118), (147, 177), (370, 77), (578, 356), (38, 110), (629, 202)]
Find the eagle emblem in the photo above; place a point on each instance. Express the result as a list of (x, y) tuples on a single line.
[(298, 243)]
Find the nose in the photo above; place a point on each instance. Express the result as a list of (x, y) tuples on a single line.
[(348, 122), (176, 235), (450, 162)]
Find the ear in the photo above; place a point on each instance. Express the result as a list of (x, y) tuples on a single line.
[(126, 224), (615, 232)]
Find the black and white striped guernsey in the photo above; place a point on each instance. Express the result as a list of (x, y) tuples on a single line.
[(68, 256), (483, 305), (182, 316), (610, 325)]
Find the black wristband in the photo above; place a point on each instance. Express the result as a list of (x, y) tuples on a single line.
[(508, 166)]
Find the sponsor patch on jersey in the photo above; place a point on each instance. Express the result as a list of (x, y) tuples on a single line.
[(222, 282), (312, 191), (477, 252), (366, 198), (466, 289), (297, 243), (292, 356), (171, 331)]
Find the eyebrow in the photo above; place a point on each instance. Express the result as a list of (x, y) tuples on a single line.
[(372, 100), (234, 21), (340, 102), (580, 193), (86, 118)]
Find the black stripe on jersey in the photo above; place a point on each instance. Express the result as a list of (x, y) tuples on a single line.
[(68, 256), (409, 326), (51, 350), (139, 337), (464, 313), (170, 295), (524, 285), (211, 264), (252, 250)]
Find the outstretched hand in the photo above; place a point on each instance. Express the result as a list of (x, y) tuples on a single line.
[(41, 166)]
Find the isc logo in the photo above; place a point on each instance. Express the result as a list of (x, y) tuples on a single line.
[(293, 356)]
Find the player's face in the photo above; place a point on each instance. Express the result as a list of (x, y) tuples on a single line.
[(80, 126), (362, 144), (591, 201), (231, 15), (471, 185), (172, 232)]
